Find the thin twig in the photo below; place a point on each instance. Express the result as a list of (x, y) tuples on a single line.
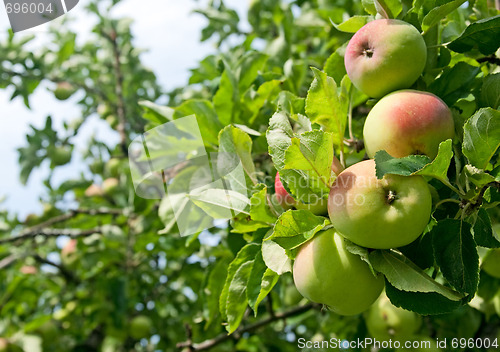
[(73, 233), (68, 275), (207, 344), (120, 108)]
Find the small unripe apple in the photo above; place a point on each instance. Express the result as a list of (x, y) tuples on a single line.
[(385, 55), (28, 269), (385, 321), (68, 252), (110, 185), (93, 191), (113, 167), (408, 122), (491, 263), (60, 155), (140, 327), (387, 213), (64, 90), (324, 271)]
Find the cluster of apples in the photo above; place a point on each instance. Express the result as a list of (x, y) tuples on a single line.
[(383, 59)]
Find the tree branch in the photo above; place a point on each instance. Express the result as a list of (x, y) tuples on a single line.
[(120, 109), (73, 233), (207, 344), (68, 275)]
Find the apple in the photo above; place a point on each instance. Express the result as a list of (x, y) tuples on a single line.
[(110, 185), (496, 303), (387, 213), (491, 263), (68, 252), (385, 321), (325, 272), (408, 122), (93, 191), (60, 155), (113, 167), (64, 90), (28, 270), (385, 55), (140, 327)]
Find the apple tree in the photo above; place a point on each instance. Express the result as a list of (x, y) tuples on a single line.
[(368, 136)]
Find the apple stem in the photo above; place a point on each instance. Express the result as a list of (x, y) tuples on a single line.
[(391, 197)]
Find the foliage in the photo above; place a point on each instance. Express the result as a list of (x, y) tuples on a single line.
[(279, 98)]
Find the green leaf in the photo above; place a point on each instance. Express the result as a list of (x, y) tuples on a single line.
[(456, 254), (233, 140), (275, 257), (388, 8), (226, 97), (438, 168), (481, 137), (353, 24), (420, 302), (369, 7), (454, 82), (254, 101), (438, 13), (206, 117), (220, 203), (156, 113), (334, 66), (313, 154), (259, 208), (490, 91), (245, 255), (295, 227), (477, 177), (236, 296), (324, 107), (248, 68), (386, 164), (484, 235), (482, 34), (261, 282), (279, 138), (213, 289), (406, 276)]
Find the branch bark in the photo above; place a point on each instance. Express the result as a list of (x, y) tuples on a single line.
[(207, 344), (73, 233)]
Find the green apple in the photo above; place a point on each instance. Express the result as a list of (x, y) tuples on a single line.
[(64, 90), (387, 213), (325, 272), (385, 321), (496, 303), (491, 263), (385, 55), (113, 167), (140, 327), (60, 155), (408, 122), (110, 185)]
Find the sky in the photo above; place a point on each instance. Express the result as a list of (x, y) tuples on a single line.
[(171, 34)]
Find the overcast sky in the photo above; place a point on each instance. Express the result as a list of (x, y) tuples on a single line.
[(170, 33)]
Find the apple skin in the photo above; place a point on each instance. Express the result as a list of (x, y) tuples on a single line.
[(385, 321), (385, 55), (288, 202), (491, 263), (325, 272), (387, 213), (408, 122), (140, 327)]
